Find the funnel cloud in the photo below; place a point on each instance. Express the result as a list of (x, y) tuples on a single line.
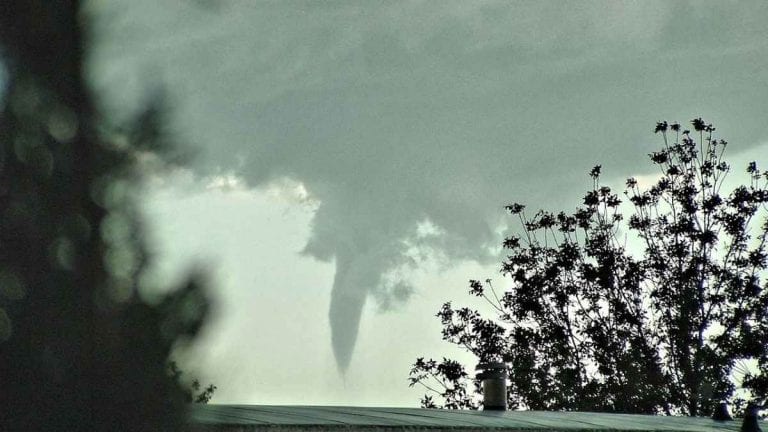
[(350, 289), (396, 114)]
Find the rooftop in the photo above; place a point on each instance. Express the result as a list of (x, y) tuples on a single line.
[(318, 418)]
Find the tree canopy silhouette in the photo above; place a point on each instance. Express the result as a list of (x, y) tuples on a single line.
[(80, 347), (194, 392), (589, 325)]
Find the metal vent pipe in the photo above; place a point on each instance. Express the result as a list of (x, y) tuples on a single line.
[(494, 381)]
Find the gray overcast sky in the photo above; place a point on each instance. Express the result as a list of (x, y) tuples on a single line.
[(354, 157)]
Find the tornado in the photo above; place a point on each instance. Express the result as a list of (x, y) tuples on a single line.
[(355, 277)]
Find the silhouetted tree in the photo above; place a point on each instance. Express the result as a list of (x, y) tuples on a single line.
[(587, 325), (193, 391), (79, 348)]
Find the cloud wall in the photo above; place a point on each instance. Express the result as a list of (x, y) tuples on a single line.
[(391, 114)]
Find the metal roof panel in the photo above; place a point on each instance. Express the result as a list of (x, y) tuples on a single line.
[(257, 417)]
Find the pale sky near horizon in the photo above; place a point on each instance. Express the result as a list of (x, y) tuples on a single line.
[(366, 149)]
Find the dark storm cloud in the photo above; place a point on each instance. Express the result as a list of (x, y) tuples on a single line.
[(393, 113)]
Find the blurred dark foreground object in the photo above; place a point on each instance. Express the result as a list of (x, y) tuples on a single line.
[(751, 416), (80, 350), (721, 412)]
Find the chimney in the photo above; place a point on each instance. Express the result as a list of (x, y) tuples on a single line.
[(494, 378)]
